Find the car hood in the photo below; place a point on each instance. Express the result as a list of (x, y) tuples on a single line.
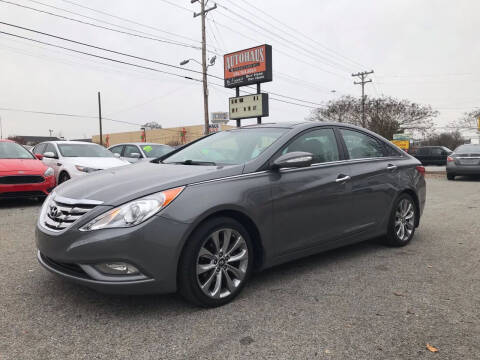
[(96, 162), (119, 185), (26, 166)]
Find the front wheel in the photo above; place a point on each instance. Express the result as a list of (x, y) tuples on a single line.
[(63, 177), (401, 226), (216, 263)]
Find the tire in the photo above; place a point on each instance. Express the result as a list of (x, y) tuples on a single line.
[(404, 214), (203, 263), (63, 177), (450, 176)]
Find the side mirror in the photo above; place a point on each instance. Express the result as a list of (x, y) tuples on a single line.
[(117, 155), (49, 155), (39, 156), (135, 155), (296, 159)]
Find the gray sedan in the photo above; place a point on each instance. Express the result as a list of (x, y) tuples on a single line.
[(201, 219), (465, 160)]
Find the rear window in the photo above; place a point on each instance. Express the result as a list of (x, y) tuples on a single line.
[(468, 149)]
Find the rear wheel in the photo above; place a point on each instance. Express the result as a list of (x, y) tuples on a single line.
[(63, 177), (450, 176), (216, 263), (401, 227)]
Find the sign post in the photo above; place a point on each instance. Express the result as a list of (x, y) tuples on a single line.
[(247, 67)]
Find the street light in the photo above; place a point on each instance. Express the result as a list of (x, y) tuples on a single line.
[(205, 87)]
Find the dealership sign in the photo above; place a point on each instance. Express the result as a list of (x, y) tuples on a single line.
[(249, 66), (250, 106)]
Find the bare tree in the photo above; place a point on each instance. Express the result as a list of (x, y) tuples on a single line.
[(384, 115), (467, 122), (449, 139), (152, 125)]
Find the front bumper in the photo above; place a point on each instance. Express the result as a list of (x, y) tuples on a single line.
[(28, 190), (153, 247)]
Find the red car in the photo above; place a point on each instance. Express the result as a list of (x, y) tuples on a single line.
[(22, 174)]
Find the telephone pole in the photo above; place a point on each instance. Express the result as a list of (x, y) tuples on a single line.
[(100, 117), (203, 13), (363, 76)]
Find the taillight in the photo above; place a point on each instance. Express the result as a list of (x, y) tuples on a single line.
[(421, 170), (449, 158)]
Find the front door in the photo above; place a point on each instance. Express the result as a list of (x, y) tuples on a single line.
[(310, 205)]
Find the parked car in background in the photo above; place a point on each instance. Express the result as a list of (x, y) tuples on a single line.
[(134, 152), (71, 159), (432, 155), (28, 147), (465, 160), (202, 218), (22, 174)]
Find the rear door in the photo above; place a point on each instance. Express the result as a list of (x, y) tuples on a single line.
[(311, 205), (423, 154), (374, 180), (437, 156)]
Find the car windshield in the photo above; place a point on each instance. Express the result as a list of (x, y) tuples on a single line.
[(83, 150), (228, 147), (11, 150), (468, 149), (155, 151)]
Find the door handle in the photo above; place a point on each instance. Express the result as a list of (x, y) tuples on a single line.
[(391, 167), (343, 178)]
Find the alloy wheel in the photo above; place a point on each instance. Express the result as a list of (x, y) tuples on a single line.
[(404, 219), (222, 263)]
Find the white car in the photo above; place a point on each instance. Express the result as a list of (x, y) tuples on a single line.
[(140, 151), (71, 159)]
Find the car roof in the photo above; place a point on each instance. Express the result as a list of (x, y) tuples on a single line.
[(138, 143), (304, 125), (68, 142), (6, 140)]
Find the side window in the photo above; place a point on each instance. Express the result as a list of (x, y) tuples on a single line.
[(321, 143), (51, 148), (39, 149), (436, 151), (117, 149), (131, 149), (361, 146)]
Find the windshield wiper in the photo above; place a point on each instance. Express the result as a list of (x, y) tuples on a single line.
[(193, 162)]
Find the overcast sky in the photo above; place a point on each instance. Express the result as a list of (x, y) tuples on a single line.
[(423, 50)]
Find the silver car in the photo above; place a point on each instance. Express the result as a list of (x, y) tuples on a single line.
[(465, 160), (140, 151)]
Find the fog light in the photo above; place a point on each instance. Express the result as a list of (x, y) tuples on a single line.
[(117, 268)]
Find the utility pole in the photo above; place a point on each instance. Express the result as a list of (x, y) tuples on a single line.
[(363, 76), (1, 128), (203, 13), (50, 131), (100, 117)]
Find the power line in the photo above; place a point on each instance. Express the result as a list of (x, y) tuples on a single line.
[(102, 48), (302, 34), (98, 56), (166, 41), (125, 19), (290, 34)]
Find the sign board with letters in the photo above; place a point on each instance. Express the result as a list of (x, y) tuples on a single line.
[(250, 106), (402, 144), (249, 66)]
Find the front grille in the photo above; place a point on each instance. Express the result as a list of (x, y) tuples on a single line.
[(22, 194), (68, 268), (61, 213), (21, 179)]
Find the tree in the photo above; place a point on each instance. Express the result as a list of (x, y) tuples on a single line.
[(152, 125), (383, 115), (469, 121), (451, 140)]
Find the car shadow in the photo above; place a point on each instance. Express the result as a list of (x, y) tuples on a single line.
[(473, 178), (19, 202), (87, 300)]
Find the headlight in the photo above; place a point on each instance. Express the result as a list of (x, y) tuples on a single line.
[(134, 212), (48, 172), (85, 169)]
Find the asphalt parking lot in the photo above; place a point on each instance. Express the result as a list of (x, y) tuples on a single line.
[(365, 301)]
